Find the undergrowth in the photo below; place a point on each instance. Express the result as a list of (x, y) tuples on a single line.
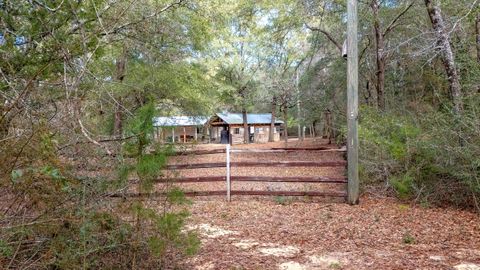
[(53, 217), (432, 159)]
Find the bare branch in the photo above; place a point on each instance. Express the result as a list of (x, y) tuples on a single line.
[(393, 23), (144, 18), (47, 7), (327, 34)]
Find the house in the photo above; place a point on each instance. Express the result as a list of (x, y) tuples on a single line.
[(184, 129), (232, 126), (179, 128)]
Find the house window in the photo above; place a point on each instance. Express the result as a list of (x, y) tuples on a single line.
[(236, 131)]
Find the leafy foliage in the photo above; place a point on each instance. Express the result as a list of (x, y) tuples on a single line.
[(419, 159), (76, 72)]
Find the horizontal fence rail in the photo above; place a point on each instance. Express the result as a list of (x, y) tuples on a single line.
[(238, 192), (259, 150), (286, 150), (287, 179), (199, 152), (289, 164), (228, 178), (258, 164), (196, 166), (289, 193)]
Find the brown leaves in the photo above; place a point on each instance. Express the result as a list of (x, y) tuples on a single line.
[(380, 233)]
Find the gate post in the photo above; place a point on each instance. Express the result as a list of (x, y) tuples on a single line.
[(227, 152), (352, 101)]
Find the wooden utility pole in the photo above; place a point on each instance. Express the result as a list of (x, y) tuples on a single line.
[(352, 101)]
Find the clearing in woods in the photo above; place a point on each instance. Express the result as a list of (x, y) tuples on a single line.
[(320, 233)]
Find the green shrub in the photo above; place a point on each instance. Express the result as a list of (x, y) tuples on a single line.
[(60, 220), (408, 238), (282, 200), (403, 185), (433, 158)]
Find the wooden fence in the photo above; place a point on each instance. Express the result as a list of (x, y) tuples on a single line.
[(228, 178)]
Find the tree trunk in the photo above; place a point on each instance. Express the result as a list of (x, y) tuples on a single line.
[(205, 134), (299, 111), (328, 130), (271, 133), (118, 115), (4, 125), (368, 95), (314, 128), (380, 56), (477, 30), (118, 120), (246, 131), (448, 58), (285, 124)]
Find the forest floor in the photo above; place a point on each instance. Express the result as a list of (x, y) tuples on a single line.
[(305, 233), (380, 233)]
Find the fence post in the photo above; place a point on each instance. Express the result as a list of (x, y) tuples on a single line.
[(228, 171), (352, 101)]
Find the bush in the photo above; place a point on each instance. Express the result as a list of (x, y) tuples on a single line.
[(56, 216), (433, 158)]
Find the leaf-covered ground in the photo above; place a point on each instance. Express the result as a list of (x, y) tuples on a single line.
[(264, 171), (380, 233), (302, 233)]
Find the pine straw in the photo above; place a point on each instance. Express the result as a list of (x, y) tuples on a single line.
[(262, 171), (373, 235), (369, 236)]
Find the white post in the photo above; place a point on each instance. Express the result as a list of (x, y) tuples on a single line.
[(227, 151), (299, 131), (352, 101), (173, 135), (196, 133)]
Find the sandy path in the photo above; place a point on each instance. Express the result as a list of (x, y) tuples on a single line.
[(309, 233), (263, 171)]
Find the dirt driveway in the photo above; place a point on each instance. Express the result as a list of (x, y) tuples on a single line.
[(305, 233), (377, 234)]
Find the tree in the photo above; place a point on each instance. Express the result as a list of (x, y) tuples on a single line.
[(477, 33), (448, 56), (235, 58), (59, 91), (380, 52)]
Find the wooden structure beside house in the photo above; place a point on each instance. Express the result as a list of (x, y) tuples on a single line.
[(258, 127), (179, 128), (185, 129)]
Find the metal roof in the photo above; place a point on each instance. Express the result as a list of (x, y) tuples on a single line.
[(175, 121), (252, 118)]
